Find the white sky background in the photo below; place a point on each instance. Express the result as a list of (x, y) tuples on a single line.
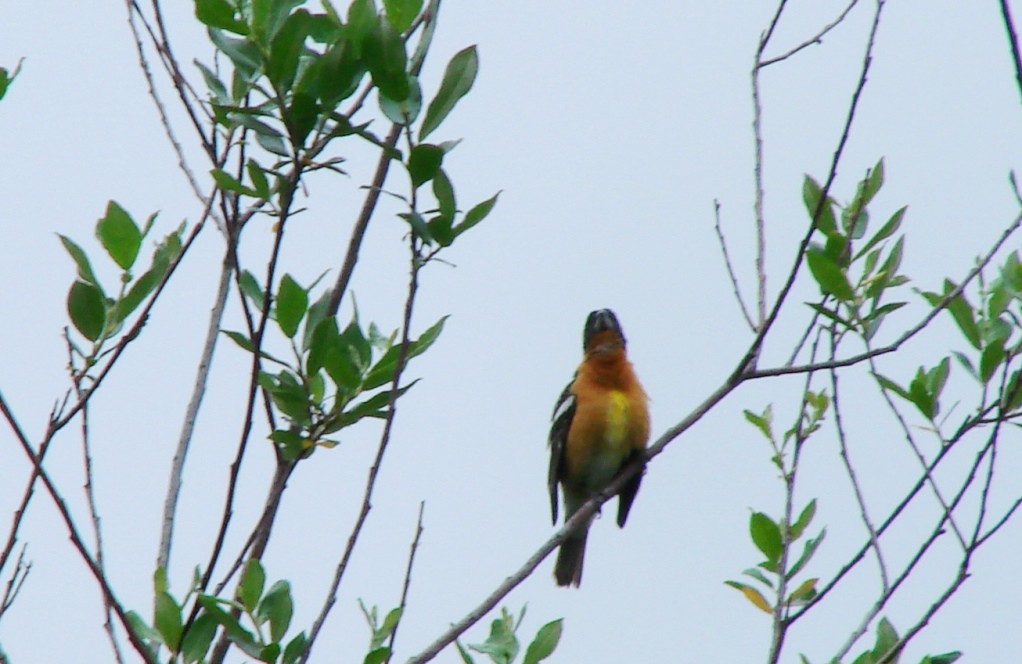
[(610, 129)]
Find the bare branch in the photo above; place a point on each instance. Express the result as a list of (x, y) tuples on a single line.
[(850, 471), (192, 412), (76, 539), (730, 268), (1009, 27), (815, 39), (408, 578)]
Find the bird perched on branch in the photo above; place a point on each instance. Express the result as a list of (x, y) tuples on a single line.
[(600, 424)]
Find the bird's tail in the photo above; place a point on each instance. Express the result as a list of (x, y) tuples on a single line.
[(568, 569)]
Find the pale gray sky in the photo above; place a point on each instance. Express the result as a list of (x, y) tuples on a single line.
[(610, 129)]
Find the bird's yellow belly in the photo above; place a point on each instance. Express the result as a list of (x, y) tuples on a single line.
[(603, 434)]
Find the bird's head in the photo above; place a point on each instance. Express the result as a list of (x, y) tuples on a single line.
[(602, 332)]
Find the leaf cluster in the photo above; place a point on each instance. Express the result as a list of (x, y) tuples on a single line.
[(502, 645), (267, 610), (96, 314)]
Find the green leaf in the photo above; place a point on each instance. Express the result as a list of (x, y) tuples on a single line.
[(418, 226), (475, 215), (466, 658), (766, 535), (219, 14), (339, 73), (962, 312), (544, 644), (119, 235), (235, 632), (258, 176), (141, 629), (268, 16), (401, 13), (807, 553), (196, 641), (811, 195), (292, 303), (892, 386), (384, 53), (991, 358), (244, 54), (458, 79), (250, 589), (228, 182), (762, 422), (803, 520), (273, 144), (831, 278), (291, 443), (383, 371), (501, 645), (1011, 398), (406, 111), (81, 260), (295, 648), (288, 395), (440, 225), (888, 229), (6, 78), (759, 576), (87, 309), (946, 658), (269, 652), (277, 608), (250, 288), (286, 49), (390, 622), (377, 656), (167, 620), (832, 315), (362, 22), (424, 163), (165, 253), (374, 406), (888, 275), (887, 638)]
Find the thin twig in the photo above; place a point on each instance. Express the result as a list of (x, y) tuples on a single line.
[(76, 539), (907, 433), (408, 579), (168, 129), (90, 499), (730, 267), (815, 39), (17, 580), (852, 477)]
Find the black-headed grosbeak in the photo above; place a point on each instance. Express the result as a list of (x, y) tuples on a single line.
[(600, 423)]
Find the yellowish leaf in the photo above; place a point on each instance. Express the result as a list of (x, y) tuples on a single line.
[(757, 599)]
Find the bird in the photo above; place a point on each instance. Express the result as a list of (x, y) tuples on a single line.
[(600, 425)]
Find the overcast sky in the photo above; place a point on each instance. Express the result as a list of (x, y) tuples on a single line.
[(611, 129)]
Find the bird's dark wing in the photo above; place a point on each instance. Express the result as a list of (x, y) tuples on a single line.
[(564, 411)]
